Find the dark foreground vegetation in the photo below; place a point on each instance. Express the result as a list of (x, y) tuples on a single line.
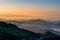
[(12, 32)]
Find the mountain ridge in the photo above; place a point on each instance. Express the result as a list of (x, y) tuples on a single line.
[(11, 31)]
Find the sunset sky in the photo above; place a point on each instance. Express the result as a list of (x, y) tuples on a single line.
[(26, 9)]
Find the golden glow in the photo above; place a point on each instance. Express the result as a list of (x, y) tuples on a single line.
[(13, 12)]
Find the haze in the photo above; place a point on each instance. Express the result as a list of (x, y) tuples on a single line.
[(27, 9)]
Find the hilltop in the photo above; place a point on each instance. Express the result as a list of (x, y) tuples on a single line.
[(12, 32)]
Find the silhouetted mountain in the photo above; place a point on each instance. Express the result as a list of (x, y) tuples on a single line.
[(12, 32), (51, 36), (57, 23), (37, 20), (35, 25), (18, 30)]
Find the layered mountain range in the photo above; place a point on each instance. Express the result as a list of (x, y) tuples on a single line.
[(28, 30)]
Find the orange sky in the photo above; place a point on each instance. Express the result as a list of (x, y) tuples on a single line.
[(27, 13), (12, 10)]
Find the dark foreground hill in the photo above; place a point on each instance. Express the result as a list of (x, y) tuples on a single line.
[(51, 36), (12, 32)]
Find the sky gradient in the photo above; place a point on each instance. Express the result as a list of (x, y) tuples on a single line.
[(26, 9)]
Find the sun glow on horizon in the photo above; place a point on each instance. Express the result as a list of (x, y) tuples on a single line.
[(10, 9)]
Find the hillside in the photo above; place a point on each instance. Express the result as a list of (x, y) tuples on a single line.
[(12, 32)]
